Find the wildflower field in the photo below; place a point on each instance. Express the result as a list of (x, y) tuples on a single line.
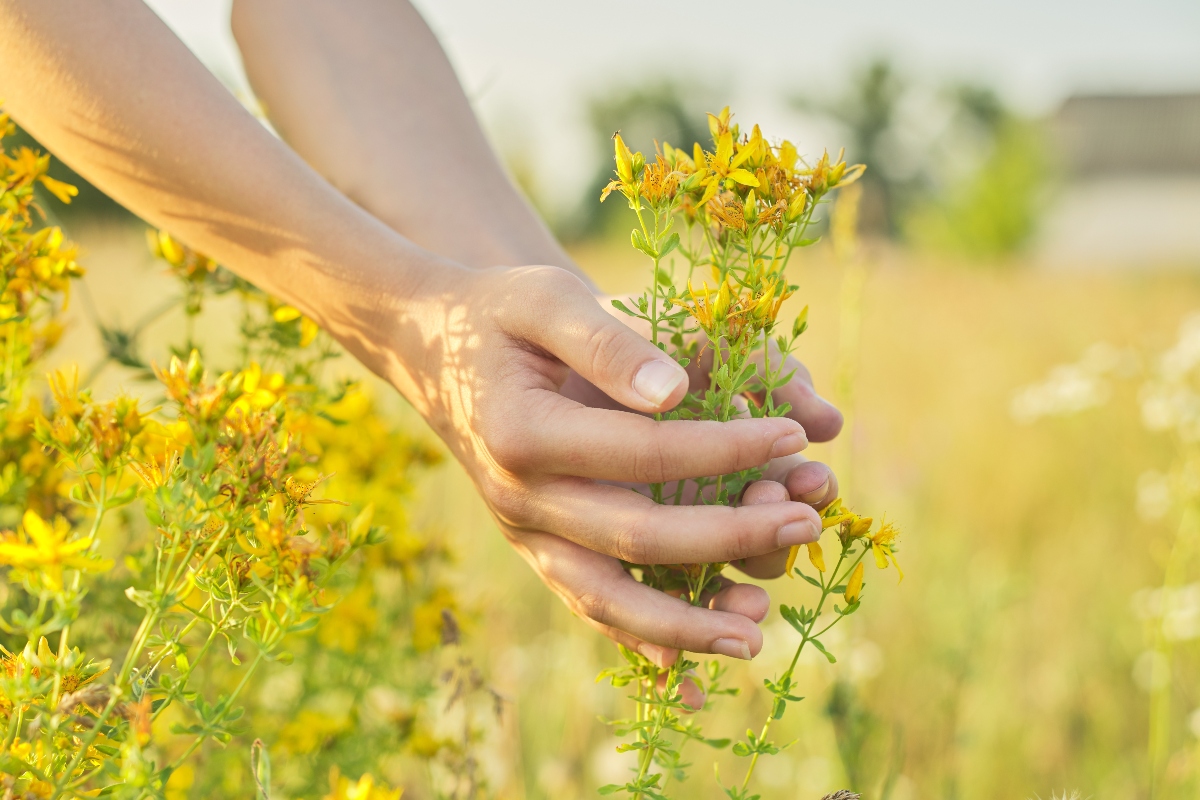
[(1011, 662), (351, 625)]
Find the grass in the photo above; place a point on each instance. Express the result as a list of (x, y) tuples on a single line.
[(1001, 667)]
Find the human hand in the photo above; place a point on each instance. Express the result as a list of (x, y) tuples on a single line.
[(484, 355)]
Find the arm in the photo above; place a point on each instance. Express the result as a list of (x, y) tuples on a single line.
[(481, 354), (365, 94)]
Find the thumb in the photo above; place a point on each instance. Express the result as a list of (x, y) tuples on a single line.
[(604, 351)]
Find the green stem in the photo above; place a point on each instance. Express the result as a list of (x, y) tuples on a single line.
[(806, 637), (199, 740)]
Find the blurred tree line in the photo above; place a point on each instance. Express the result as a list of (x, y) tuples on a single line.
[(969, 182)]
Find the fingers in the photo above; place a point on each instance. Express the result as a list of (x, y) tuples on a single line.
[(812, 483), (599, 590), (767, 565), (746, 599), (626, 525), (820, 419), (559, 436), (808, 482), (557, 312)]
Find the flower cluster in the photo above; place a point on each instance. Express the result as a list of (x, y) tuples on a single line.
[(720, 226), (170, 565)]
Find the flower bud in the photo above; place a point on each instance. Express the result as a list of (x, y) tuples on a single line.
[(195, 368), (750, 208), (801, 323), (624, 159), (721, 306), (692, 182), (854, 585), (797, 205)]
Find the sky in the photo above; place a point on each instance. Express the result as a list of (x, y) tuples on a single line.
[(530, 65)]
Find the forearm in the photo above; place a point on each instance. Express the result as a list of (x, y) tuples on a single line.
[(363, 91), (114, 94)]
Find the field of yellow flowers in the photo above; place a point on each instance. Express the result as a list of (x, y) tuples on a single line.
[(1010, 663)]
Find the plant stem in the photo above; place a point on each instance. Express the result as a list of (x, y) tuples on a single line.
[(806, 637)]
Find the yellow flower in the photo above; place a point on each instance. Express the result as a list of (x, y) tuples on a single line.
[(835, 514), (854, 585), (298, 491), (63, 191), (625, 170), (342, 788), (815, 555), (310, 730), (883, 547), (726, 164), (44, 550), (64, 386)]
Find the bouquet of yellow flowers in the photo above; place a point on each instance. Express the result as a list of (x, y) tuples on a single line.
[(719, 226)]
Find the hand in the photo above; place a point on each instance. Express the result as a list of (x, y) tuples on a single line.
[(484, 356)]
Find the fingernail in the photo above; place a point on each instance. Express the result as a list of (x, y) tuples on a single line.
[(799, 532), (787, 445), (652, 652), (816, 495), (734, 648), (657, 379)]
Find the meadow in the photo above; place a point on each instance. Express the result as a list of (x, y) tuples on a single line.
[(1009, 663)]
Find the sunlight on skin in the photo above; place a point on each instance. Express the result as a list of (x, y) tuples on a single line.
[(474, 350)]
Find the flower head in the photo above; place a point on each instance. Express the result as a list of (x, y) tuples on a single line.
[(42, 550), (883, 547)]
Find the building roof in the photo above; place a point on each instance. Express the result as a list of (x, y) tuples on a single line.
[(1110, 135)]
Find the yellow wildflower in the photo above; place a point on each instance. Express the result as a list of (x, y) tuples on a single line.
[(883, 547), (726, 165), (44, 550), (815, 555), (835, 514), (342, 788)]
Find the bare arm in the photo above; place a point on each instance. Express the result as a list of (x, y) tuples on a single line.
[(364, 92), (113, 93), (482, 354)]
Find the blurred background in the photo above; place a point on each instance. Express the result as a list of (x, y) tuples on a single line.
[(1033, 188)]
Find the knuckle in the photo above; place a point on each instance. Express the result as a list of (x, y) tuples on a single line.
[(630, 545), (606, 347), (511, 450), (744, 537), (507, 500), (653, 461), (593, 605)]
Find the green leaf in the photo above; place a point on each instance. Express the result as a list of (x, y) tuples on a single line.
[(617, 304), (777, 708), (639, 242), (813, 581), (663, 278), (670, 244), (828, 655)]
